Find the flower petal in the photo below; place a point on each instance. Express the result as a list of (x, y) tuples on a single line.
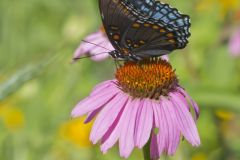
[(112, 137), (94, 44), (144, 123), (106, 117), (89, 43), (93, 102), (173, 133), (234, 42), (185, 121), (102, 86), (113, 133), (100, 53), (93, 36), (92, 114), (193, 103), (126, 140), (158, 120)]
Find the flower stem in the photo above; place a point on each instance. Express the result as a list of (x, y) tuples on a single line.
[(146, 151)]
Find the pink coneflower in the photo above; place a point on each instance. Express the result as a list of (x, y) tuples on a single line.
[(234, 44), (96, 45), (144, 103)]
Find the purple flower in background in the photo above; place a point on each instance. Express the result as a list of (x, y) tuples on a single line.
[(96, 45), (234, 44), (144, 103)]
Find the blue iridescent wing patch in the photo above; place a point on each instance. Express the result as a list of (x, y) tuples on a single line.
[(144, 28)]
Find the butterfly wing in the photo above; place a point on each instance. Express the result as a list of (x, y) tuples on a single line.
[(165, 28), (145, 28), (116, 19)]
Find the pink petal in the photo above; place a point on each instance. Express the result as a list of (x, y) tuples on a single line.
[(100, 53), (102, 86), (193, 103), (106, 117), (173, 133), (126, 140), (93, 102), (234, 44), (93, 36), (99, 56), (185, 121), (109, 46), (165, 57), (113, 133), (95, 44), (95, 40), (92, 114), (111, 139), (158, 120), (100, 48), (144, 123)]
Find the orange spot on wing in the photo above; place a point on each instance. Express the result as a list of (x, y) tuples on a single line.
[(170, 35), (116, 37), (162, 30), (147, 25), (136, 25), (156, 27)]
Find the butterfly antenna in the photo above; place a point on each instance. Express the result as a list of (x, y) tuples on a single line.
[(88, 56), (96, 45)]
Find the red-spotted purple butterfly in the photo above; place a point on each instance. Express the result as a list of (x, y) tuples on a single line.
[(142, 29)]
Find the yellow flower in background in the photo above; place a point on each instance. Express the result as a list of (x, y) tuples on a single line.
[(77, 132), (228, 5), (225, 6), (203, 5), (12, 117), (224, 115), (199, 156), (226, 122)]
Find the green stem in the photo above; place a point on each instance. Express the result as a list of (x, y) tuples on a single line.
[(146, 151)]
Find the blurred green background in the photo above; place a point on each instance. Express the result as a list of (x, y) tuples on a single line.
[(39, 86)]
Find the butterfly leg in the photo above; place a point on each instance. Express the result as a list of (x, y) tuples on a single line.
[(134, 58)]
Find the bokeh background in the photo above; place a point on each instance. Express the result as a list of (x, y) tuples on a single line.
[(39, 85)]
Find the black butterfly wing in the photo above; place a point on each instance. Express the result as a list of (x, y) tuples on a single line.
[(116, 19), (144, 27), (159, 17)]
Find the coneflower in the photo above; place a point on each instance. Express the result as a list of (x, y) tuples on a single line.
[(145, 103)]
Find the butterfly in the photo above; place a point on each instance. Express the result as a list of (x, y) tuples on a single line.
[(142, 29)]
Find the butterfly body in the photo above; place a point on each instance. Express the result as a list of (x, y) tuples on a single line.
[(142, 29)]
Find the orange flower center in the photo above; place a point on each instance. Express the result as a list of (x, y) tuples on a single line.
[(148, 79)]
